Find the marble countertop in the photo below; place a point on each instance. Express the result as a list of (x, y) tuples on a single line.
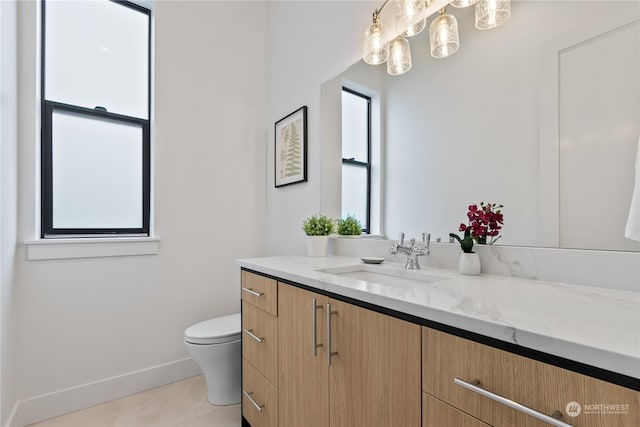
[(595, 326)]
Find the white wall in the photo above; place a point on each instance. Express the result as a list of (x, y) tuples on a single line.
[(8, 204), (101, 326), (597, 141), (310, 42)]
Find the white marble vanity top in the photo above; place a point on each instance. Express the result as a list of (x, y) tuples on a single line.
[(595, 326)]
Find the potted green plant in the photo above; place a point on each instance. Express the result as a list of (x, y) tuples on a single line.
[(469, 262), (466, 243), (349, 226), (317, 228)]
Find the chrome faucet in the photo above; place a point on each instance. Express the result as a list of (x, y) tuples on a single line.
[(412, 251)]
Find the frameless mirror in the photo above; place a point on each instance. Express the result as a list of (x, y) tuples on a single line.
[(541, 115)]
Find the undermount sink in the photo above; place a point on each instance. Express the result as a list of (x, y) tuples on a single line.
[(384, 275)]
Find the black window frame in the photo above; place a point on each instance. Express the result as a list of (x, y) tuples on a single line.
[(48, 107), (366, 227)]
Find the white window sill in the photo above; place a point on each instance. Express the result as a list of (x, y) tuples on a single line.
[(44, 249)]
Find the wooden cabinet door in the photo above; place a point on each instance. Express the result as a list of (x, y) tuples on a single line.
[(374, 376), (302, 377)]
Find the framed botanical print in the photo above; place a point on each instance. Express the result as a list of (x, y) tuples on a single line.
[(291, 148)]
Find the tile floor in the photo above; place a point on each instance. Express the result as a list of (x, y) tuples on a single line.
[(181, 404)]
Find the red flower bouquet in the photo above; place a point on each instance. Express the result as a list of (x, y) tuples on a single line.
[(485, 221)]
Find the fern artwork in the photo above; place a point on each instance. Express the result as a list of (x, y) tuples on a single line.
[(291, 148)]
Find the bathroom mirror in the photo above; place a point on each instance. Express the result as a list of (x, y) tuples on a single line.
[(541, 115)]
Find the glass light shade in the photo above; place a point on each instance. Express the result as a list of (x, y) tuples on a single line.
[(462, 3), (376, 50), (443, 36), (408, 21), (414, 29), (492, 13), (399, 61)]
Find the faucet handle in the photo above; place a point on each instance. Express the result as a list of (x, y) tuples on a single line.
[(426, 239), (401, 239)]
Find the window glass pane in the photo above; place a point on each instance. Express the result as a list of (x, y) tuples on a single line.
[(354, 192), (354, 127), (97, 55), (97, 172)]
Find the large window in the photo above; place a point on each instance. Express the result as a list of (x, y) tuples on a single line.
[(356, 156), (95, 119)]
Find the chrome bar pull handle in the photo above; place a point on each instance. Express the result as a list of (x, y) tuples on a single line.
[(252, 292), (474, 386), (250, 333), (328, 334), (329, 353), (253, 402), (314, 325)]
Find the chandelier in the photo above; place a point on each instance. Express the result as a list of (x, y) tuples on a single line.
[(411, 16)]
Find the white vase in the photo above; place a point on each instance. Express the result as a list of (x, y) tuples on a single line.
[(317, 245), (469, 264)]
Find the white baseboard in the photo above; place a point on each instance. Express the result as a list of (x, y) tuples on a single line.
[(72, 399), (12, 416)]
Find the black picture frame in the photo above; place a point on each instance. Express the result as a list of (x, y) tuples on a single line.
[(290, 148)]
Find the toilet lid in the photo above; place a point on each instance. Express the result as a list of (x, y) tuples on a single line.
[(212, 331)]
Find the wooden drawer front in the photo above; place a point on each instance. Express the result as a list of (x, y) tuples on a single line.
[(263, 411), (260, 291), (542, 387), (260, 341), (436, 413)]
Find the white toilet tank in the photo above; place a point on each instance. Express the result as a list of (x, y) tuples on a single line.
[(215, 345)]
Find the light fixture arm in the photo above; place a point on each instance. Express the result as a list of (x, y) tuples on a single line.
[(376, 14)]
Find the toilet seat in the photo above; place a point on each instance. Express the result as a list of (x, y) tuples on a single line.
[(215, 331)]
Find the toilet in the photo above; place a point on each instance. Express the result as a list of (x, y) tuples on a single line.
[(215, 345)]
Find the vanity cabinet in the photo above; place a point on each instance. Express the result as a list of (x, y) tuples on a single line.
[(343, 365), (450, 363), (313, 360), (259, 350)]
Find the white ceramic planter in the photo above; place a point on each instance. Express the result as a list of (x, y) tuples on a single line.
[(317, 245), (469, 264)]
